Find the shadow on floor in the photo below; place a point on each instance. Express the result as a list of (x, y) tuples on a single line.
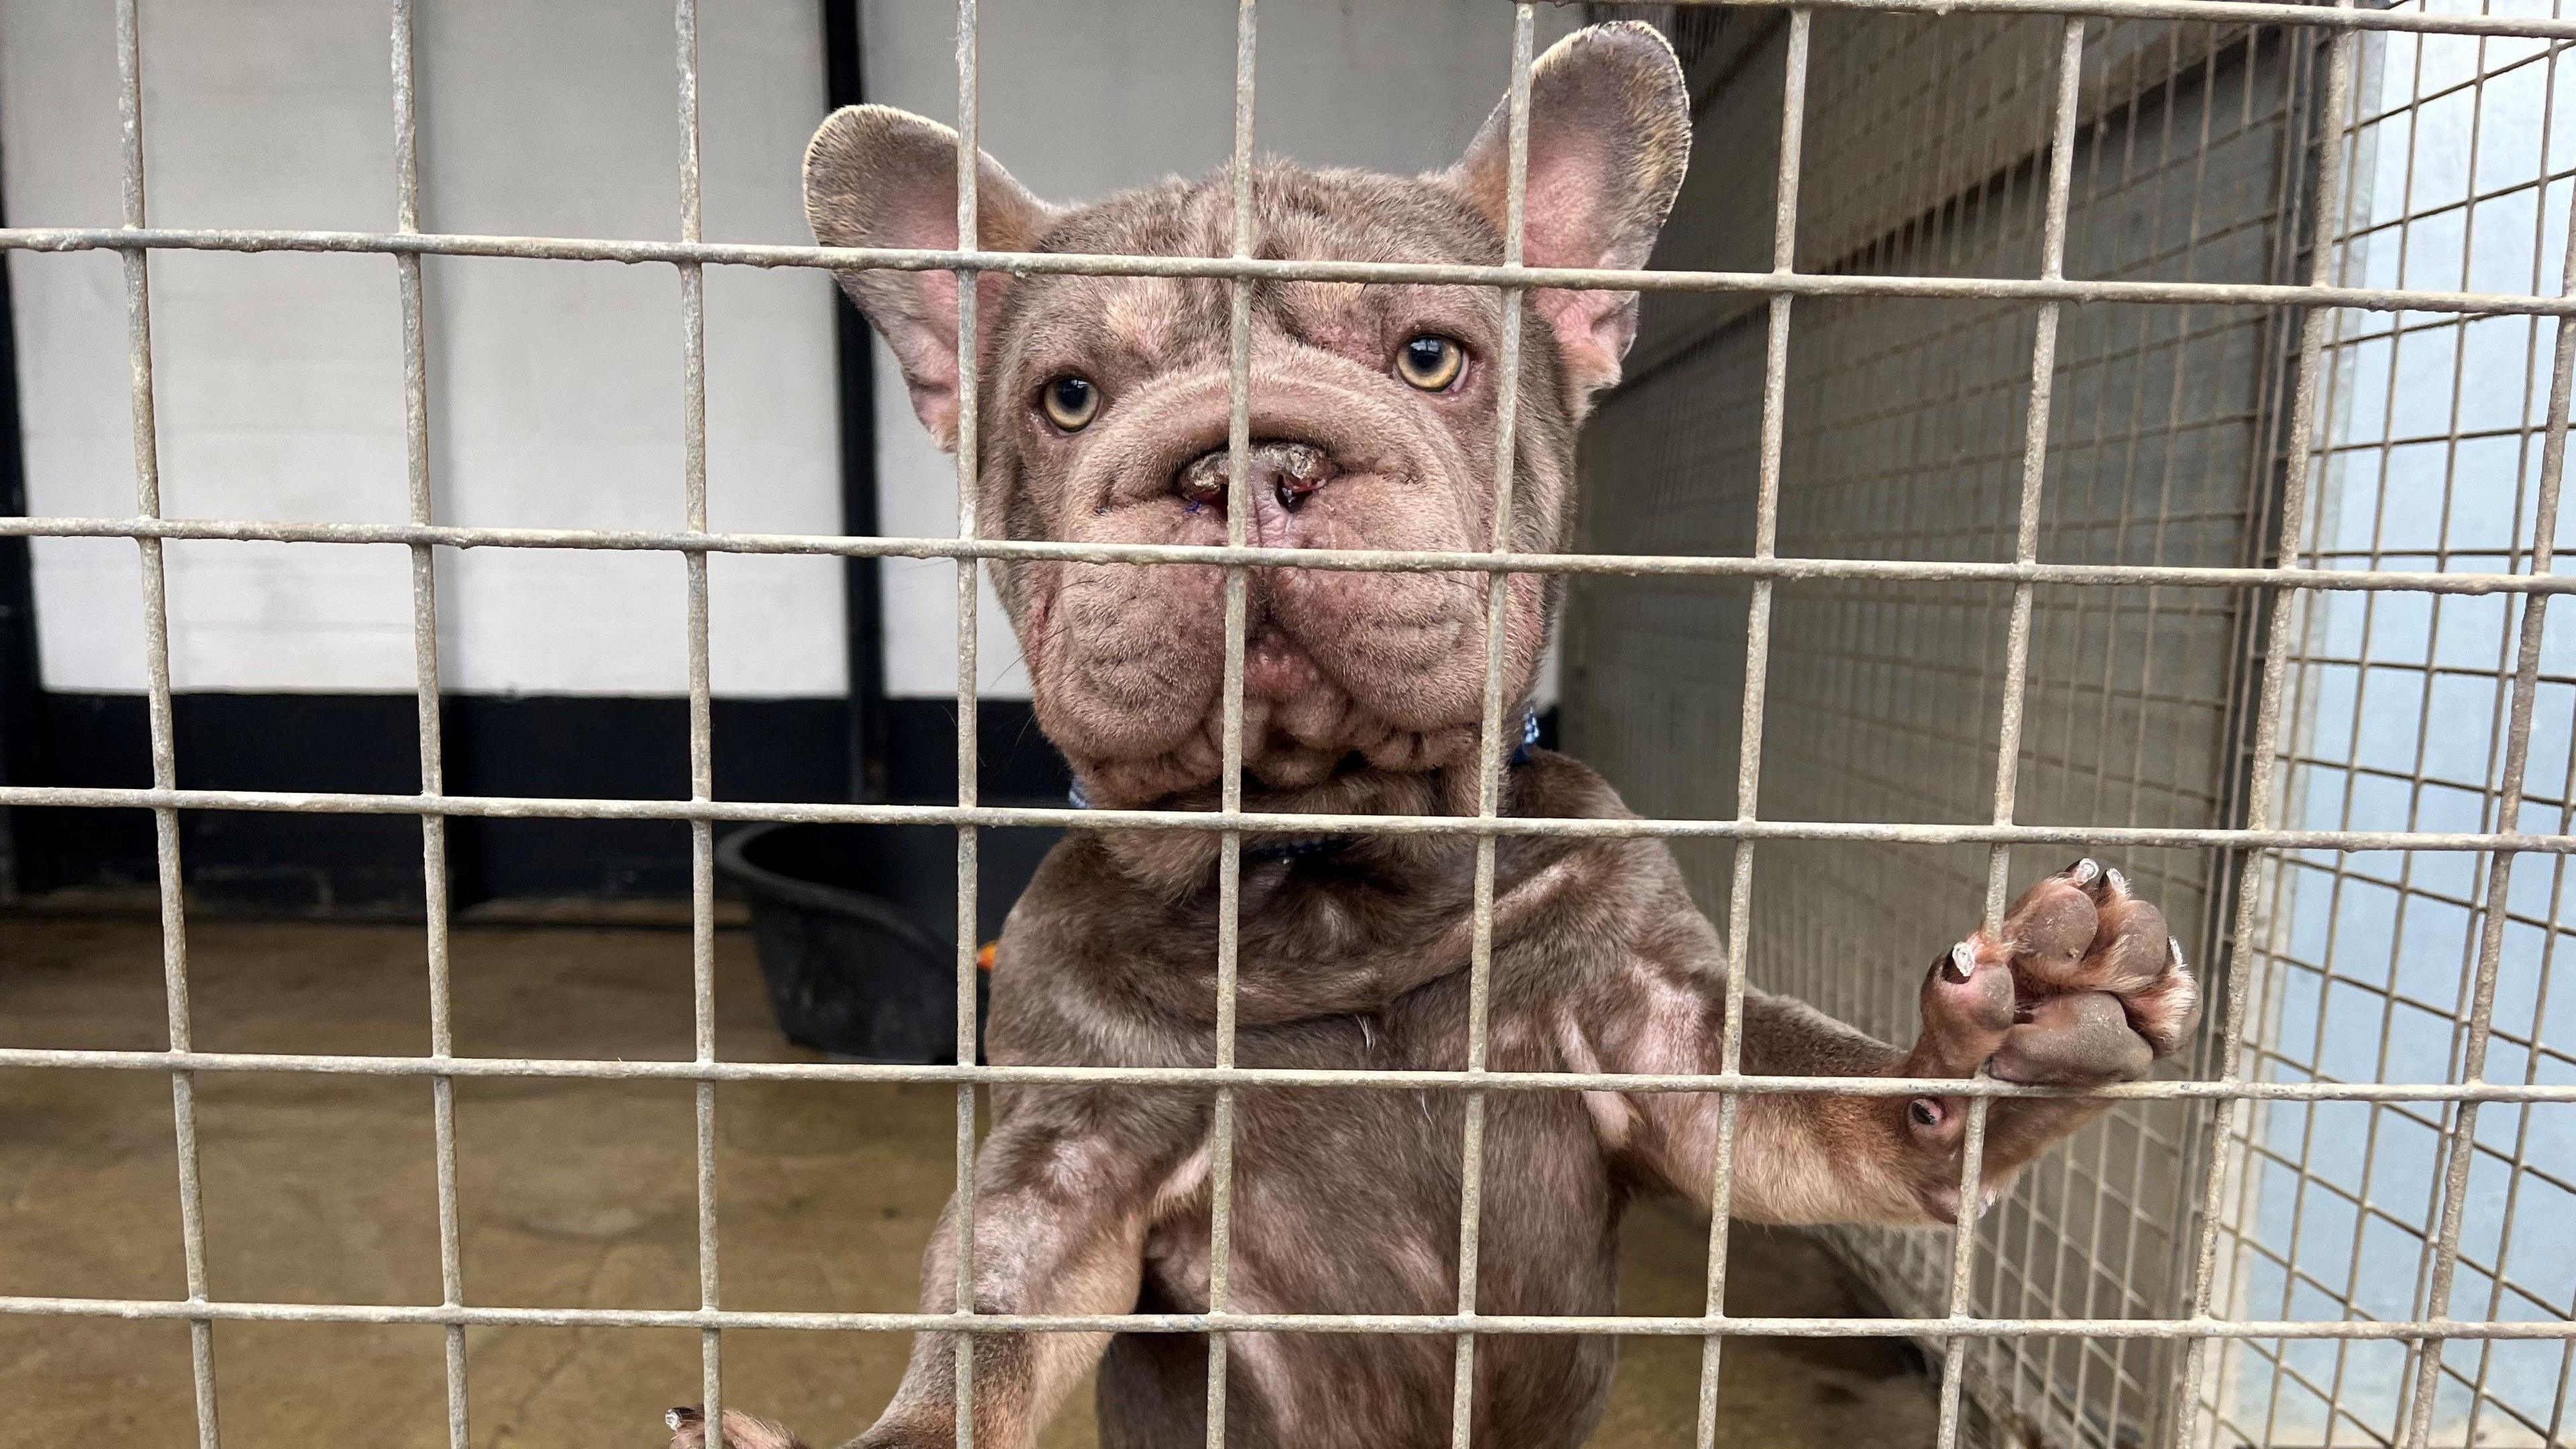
[(321, 1190)]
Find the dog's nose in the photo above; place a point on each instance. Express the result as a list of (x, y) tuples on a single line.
[(1287, 471)]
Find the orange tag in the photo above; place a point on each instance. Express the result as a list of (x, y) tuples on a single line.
[(984, 957)]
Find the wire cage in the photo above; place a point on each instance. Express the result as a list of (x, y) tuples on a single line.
[(2164, 461), (2164, 434)]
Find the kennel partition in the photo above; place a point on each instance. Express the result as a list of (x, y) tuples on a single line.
[(2196, 157), (1924, 511)]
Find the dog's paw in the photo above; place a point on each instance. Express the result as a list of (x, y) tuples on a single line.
[(688, 1426), (2082, 986)]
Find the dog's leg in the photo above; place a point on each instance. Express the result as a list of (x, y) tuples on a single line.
[(2081, 987), (1064, 1189), (741, 1431)]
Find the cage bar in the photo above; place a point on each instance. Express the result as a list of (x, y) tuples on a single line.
[(425, 683), (1757, 668), (1781, 569), (1229, 914), (970, 281), (1694, 1325), (1489, 739), (702, 842), (165, 758), (537, 807), (2258, 808), (640, 1069), (847, 259)]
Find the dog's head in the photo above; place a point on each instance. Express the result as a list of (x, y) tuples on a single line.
[(1103, 408)]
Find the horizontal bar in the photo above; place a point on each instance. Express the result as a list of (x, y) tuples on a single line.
[(2222, 11), (1793, 570), (1794, 284), (585, 1069), (1639, 1326), (532, 807)]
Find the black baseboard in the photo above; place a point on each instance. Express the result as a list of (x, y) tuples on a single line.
[(615, 748), (1013, 761), (602, 748)]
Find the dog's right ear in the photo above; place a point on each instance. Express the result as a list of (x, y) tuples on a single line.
[(879, 177)]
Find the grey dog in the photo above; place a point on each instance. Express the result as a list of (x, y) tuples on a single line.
[(1104, 413)]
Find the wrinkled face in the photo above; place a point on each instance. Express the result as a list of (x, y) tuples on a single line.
[(1103, 407), (1373, 412)]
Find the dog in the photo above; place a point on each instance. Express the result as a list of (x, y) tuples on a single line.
[(1103, 407)]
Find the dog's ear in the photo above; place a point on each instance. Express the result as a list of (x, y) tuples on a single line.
[(1609, 137), (879, 177)]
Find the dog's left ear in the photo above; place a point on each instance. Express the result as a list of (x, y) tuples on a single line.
[(1609, 138)]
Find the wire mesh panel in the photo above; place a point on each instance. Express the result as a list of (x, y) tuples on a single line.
[(2428, 455), (1992, 531), (1904, 437)]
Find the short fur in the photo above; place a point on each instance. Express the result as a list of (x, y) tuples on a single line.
[(1364, 694)]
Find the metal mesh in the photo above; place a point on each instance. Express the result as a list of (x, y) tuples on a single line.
[(1903, 441), (2004, 645), (2429, 447)]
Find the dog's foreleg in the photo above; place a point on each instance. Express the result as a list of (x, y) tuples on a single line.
[(1064, 1191), (2080, 986)]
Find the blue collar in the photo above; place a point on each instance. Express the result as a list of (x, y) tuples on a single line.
[(1326, 844)]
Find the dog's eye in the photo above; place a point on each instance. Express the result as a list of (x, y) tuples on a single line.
[(1070, 402), (1430, 362)]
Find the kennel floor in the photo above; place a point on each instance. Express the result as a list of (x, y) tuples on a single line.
[(321, 1189)]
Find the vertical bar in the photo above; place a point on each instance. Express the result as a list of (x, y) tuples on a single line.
[(2267, 716), (2348, 137), (702, 847), (165, 758), (2034, 472), (2468, 1035), (2333, 358), (425, 683), (970, 238), (2462, 1141), (1238, 513), (2519, 1168), (1489, 755), (2307, 624), (1757, 673), (2115, 1356), (2018, 1379)]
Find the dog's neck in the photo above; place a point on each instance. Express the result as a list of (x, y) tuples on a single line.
[(1349, 931), (1175, 864), (1178, 862)]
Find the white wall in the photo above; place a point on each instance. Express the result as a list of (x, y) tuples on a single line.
[(1083, 97), (555, 387)]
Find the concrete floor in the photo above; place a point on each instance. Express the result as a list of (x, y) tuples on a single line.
[(319, 1189)]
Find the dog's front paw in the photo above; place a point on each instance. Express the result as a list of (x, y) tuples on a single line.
[(688, 1426), (2082, 986), (2093, 1006)]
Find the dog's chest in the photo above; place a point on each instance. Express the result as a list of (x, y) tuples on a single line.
[(1347, 1198)]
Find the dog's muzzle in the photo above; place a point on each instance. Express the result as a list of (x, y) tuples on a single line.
[(1289, 471)]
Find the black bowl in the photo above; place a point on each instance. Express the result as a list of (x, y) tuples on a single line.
[(856, 928)]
